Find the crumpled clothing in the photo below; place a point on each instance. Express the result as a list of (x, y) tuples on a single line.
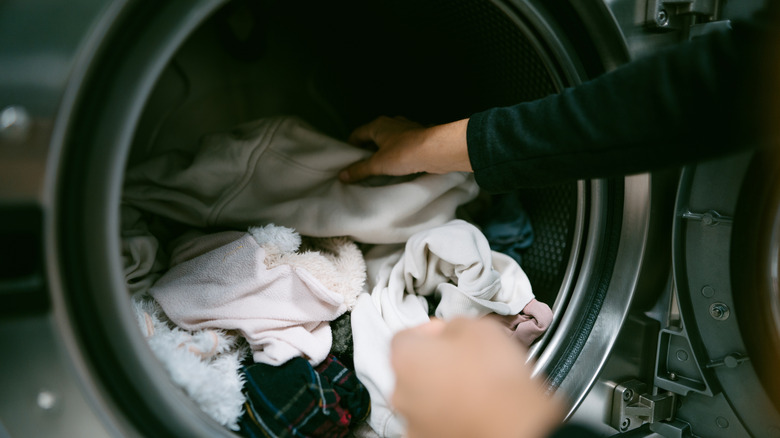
[(221, 281), (453, 262), (141, 263), (507, 226), (527, 326), (205, 364), (280, 170), (294, 399)]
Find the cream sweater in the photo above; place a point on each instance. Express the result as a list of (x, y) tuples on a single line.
[(282, 171)]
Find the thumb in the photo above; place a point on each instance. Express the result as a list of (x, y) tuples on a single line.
[(355, 172)]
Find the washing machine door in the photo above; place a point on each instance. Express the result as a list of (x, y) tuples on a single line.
[(94, 86)]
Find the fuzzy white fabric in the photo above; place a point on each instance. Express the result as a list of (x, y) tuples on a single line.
[(206, 364), (453, 262), (335, 261), (282, 171), (277, 300)]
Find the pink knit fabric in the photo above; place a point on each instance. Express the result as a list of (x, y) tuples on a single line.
[(283, 312), (529, 324)]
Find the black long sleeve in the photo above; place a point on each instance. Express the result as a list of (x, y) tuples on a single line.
[(697, 100)]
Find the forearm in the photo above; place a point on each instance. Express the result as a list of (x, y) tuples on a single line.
[(689, 103), (700, 100), (445, 148)]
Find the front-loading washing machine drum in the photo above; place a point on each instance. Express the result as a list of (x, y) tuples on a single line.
[(337, 67), (165, 75)]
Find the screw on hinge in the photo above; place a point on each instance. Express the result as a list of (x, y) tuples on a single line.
[(719, 311), (662, 18)]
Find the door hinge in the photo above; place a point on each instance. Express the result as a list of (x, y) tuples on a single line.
[(668, 14), (633, 405)]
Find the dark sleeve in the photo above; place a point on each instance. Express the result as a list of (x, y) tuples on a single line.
[(694, 101)]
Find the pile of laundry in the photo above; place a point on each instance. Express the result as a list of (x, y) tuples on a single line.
[(270, 290)]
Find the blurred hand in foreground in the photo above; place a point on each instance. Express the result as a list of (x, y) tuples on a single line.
[(466, 378)]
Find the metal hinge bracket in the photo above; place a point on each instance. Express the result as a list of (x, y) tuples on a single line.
[(633, 405), (665, 14)]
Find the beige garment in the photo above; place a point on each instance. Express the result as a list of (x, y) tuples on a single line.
[(280, 170)]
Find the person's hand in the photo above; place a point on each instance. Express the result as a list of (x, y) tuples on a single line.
[(466, 379), (405, 147)]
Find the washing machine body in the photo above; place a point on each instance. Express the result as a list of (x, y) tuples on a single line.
[(647, 337)]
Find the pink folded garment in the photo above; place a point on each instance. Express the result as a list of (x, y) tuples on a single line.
[(527, 325), (222, 281)]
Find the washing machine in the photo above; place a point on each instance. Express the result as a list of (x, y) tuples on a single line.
[(664, 286)]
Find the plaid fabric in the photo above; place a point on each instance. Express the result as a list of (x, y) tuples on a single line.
[(296, 400)]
